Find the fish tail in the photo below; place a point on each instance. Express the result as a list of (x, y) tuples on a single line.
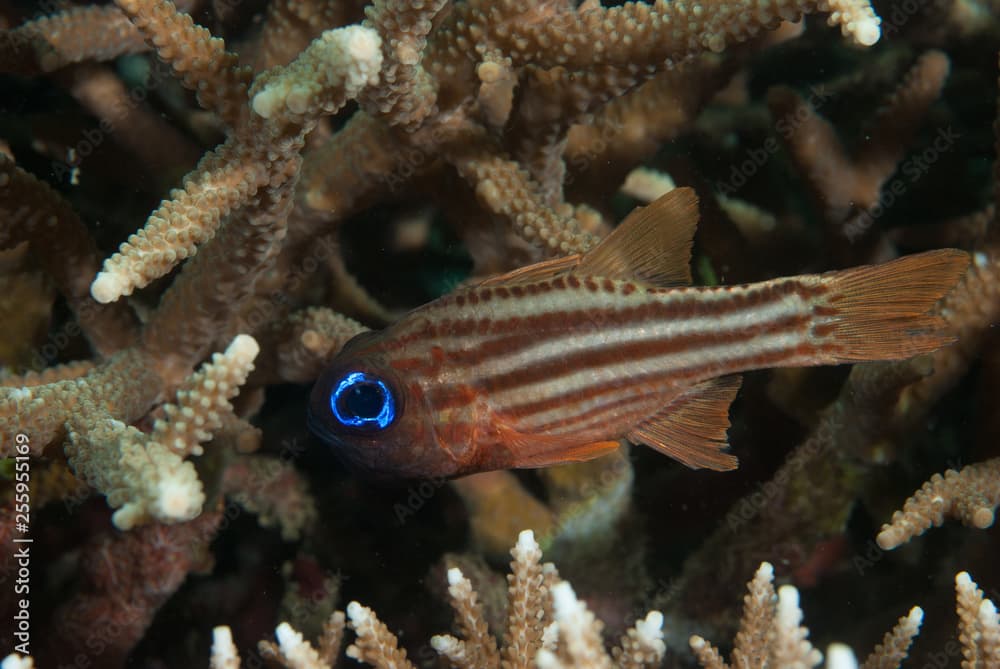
[(886, 312)]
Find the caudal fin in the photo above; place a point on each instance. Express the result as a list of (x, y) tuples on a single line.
[(884, 312)]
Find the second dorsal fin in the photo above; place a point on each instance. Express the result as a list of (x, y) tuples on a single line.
[(652, 244)]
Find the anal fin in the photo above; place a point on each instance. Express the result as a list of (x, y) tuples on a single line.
[(692, 429)]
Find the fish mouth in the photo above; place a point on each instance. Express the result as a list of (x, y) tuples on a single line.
[(340, 448), (349, 454)]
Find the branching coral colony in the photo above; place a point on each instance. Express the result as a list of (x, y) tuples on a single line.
[(513, 123)]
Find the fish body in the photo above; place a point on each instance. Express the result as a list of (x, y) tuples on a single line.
[(559, 361)]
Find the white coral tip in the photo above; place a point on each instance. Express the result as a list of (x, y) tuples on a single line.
[(358, 614), (362, 43), (15, 661), (455, 576), (224, 652), (564, 601), (789, 615), (546, 659), (179, 498), (243, 347), (840, 656), (107, 287), (288, 638), (445, 644), (526, 549), (650, 629), (867, 31)]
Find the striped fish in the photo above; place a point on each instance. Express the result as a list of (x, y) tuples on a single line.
[(558, 361)]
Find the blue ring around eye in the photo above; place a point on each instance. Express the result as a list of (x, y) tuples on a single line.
[(386, 414)]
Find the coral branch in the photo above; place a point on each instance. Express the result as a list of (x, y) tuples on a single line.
[(199, 59), (72, 36), (971, 495)]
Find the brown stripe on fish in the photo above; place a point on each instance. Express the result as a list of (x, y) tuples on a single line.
[(708, 323), (615, 352), (567, 392)]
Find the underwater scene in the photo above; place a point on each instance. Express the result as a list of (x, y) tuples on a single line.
[(499, 334)]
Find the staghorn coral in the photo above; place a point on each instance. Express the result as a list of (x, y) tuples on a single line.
[(562, 633), (508, 129), (770, 634), (547, 627), (970, 495)]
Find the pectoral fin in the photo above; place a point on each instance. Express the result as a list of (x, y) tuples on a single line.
[(692, 429)]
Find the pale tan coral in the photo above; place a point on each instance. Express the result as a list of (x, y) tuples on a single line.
[(336, 67), (499, 506), (477, 648), (771, 635), (203, 399), (145, 131), (124, 387), (375, 644), (637, 34), (504, 188), (31, 211), (272, 490), (146, 475), (223, 179), (895, 645), (408, 93), (301, 345), (262, 153), (970, 495), (646, 184), (224, 653), (290, 25), (70, 370), (292, 651), (847, 187), (70, 36), (770, 632), (526, 595), (978, 625), (199, 59), (547, 626)]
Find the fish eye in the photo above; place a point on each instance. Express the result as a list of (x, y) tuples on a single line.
[(362, 400)]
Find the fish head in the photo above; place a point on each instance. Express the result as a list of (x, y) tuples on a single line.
[(375, 418)]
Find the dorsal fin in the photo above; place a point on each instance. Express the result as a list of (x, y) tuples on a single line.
[(692, 429), (652, 244), (536, 272)]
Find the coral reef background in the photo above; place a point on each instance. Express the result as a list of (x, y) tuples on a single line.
[(443, 142)]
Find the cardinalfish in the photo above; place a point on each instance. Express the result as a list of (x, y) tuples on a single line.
[(559, 361)]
